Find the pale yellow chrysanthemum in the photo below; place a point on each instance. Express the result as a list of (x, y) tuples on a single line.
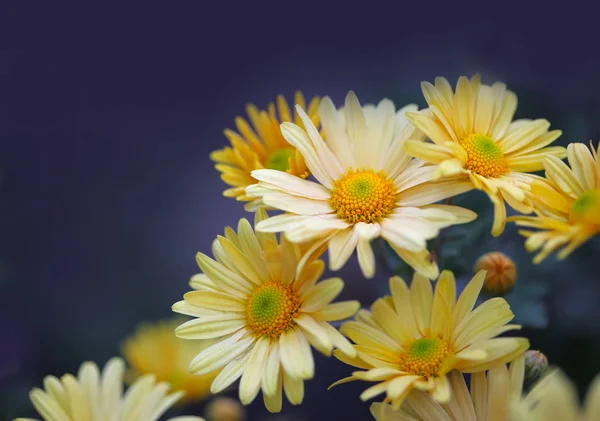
[(261, 146), (567, 204), (262, 300), (367, 187), (96, 396), (489, 398), (554, 398), (154, 349), (475, 139), (414, 337)]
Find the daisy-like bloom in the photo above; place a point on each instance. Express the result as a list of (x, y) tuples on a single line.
[(489, 398), (96, 396), (154, 349), (554, 398), (367, 187), (475, 139), (261, 299), (567, 204), (261, 145), (415, 337)]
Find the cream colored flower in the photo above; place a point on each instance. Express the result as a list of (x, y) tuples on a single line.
[(567, 204), (366, 187), (475, 139), (415, 337), (95, 396), (554, 398), (262, 301), (489, 398)]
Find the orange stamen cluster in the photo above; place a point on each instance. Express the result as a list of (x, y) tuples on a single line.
[(424, 357), (484, 156), (363, 196), (272, 308)]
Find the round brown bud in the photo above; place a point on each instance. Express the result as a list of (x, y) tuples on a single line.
[(501, 272), (223, 408)]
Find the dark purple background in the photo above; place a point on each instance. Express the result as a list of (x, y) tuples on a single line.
[(108, 115)]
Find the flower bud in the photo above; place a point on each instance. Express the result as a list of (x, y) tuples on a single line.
[(223, 408), (501, 272), (536, 364)]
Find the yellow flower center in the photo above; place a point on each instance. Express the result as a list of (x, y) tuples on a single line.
[(279, 159), (272, 308), (424, 357), (363, 196), (586, 208), (484, 156)]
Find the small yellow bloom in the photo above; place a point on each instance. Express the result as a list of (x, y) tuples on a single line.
[(95, 395), (415, 337), (261, 146), (489, 397), (154, 349), (261, 303), (473, 137), (501, 272), (554, 398), (567, 204)]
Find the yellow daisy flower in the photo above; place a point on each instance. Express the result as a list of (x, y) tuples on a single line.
[(567, 204), (261, 146), (488, 398), (554, 398), (414, 337), (99, 396), (154, 349), (367, 187), (475, 139), (262, 300)]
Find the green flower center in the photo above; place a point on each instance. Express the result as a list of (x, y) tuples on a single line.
[(272, 308), (424, 357), (279, 159), (484, 156), (586, 208)]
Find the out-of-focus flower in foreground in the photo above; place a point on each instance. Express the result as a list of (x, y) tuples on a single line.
[(415, 337), (261, 146), (262, 300), (489, 397), (223, 408), (501, 272), (366, 187), (154, 349), (567, 204), (554, 398), (474, 138), (99, 396)]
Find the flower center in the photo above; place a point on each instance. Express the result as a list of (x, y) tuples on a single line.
[(363, 196), (272, 308), (424, 357), (586, 208), (279, 159), (484, 156)]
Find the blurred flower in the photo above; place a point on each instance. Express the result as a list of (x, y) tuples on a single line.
[(263, 301), (489, 398), (413, 338), (261, 146), (366, 188), (223, 408), (554, 398), (568, 204), (536, 365), (99, 396), (476, 140), (501, 272), (154, 349)]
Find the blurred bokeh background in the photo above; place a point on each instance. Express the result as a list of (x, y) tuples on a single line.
[(107, 118)]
